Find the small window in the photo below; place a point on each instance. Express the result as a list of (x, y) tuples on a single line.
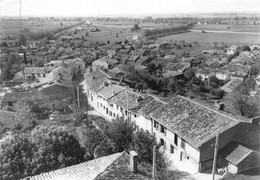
[(117, 107), (187, 157), (114, 114), (135, 115), (183, 143), (121, 109), (172, 149), (176, 139), (162, 142)]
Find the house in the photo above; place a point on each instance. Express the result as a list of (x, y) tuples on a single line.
[(187, 129), (143, 60), (133, 58), (104, 63), (231, 50), (56, 85), (10, 98), (116, 166), (31, 73), (172, 74), (213, 64), (231, 85), (204, 74), (103, 96), (118, 72), (222, 74), (184, 128), (173, 67)]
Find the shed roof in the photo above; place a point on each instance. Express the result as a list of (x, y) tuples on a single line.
[(235, 152)]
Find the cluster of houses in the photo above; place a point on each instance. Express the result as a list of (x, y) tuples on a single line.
[(54, 81), (184, 127)]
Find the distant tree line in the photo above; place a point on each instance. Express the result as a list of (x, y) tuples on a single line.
[(160, 31)]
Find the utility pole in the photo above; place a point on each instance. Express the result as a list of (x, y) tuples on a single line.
[(215, 156), (154, 161), (78, 97)]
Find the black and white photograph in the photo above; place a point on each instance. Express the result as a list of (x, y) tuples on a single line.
[(129, 89)]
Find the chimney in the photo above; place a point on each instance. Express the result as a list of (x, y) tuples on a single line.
[(133, 161)]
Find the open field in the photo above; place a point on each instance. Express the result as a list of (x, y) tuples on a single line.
[(224, 27), (13, 27), (228, 38)]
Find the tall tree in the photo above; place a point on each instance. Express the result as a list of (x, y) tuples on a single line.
[(120, 132)]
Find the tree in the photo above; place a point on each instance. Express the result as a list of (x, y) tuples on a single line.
[(143, 143), (255, 69), (250, 83), (136, 27), (47, 148), (56, 148), (22, 40), (87, 34), (243, 104), (189, 73), (151, 67), (120, 132), (92, 138), (24, 112), (245, 48), (15, 157)]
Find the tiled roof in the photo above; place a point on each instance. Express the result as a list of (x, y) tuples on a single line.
[(142, 59), (150, 107), (15, 96), (193, 121), (95, 80), (110, 91), (231, 85), (119, 170), (84, 171), (235, 153), (36, 70), (124, 97), (114, 166)]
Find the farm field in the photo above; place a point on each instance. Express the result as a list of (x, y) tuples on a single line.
[(224, 27), (210, 37), (13, 27), (106, 33)]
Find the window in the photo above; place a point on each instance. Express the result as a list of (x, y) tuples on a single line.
[(172, 149), (187, 157), (135, 115), (116, 107), (125, 112), (176, 139), (183, 143), (162, 142), (121, 109), (156, 125), (114, 114), (163, 129)]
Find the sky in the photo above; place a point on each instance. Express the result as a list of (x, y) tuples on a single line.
[(123, 7)]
